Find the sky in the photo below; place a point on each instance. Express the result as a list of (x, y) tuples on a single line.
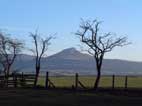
[(62, 18)]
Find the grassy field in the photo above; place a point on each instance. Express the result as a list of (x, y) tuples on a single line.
[(133, 82), (56, 97), (72, 97)]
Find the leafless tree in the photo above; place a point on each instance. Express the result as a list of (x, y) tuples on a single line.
[(98, 43), (41, 47), (9, 48)]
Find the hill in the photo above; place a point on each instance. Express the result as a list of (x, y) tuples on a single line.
[(70, 61)]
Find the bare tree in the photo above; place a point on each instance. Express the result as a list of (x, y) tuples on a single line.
[(98, 43), (41, 46), (9, 48)]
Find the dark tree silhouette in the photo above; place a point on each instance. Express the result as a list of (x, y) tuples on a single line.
[(98, 44), (9, 48), (41, 46)]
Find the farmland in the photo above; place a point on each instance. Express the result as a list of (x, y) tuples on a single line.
[(63, 95), (88, 81)]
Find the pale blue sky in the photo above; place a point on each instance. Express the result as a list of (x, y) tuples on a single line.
[(124, 17)]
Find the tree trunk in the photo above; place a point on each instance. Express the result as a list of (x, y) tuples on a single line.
[(36, 77), (99, 61), (97, 79), (7, 75), (8, 70)]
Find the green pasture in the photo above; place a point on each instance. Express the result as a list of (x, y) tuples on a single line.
[(88, 81)]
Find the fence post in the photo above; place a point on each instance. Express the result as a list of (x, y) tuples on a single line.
[(113, 81), (76, 80), (22, 76), (15, 80), (126, 82), (22, 80), (46, 81)]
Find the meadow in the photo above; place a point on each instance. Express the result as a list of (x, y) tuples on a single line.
[(104, 96), (88, 81)]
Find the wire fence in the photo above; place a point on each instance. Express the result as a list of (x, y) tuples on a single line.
[(78, 81), (74, 81)]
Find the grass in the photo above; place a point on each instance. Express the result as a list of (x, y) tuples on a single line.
[(56, 97), (71, 97), (133, 82)]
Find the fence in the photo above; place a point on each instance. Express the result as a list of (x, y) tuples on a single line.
[(14, 80), (106, 81), (76, 81)]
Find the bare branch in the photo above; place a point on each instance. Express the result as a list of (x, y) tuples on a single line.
[(9, 48), (98, 45), (41, 46)]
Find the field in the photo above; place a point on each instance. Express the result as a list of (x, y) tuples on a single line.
[(57, 97), (63, 95), (88, 81)]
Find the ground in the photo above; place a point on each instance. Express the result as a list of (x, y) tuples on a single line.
[(68, 97), (88, 81)]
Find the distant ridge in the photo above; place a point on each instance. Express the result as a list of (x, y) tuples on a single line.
[(71, 53), (70, 61)]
